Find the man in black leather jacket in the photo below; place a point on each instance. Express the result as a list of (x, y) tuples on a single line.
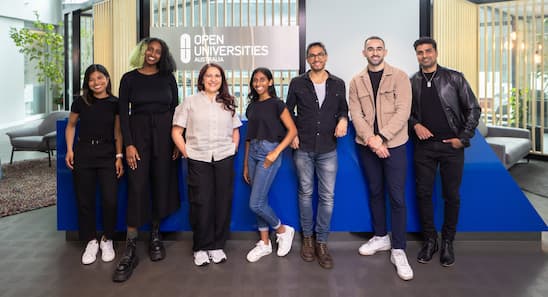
[(444, 117)]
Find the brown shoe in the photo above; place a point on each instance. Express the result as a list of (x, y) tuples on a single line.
[(307, 249), (324, 258)]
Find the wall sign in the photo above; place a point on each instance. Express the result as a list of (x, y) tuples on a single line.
[(232, 47)]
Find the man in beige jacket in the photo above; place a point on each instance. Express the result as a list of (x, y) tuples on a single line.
[(380, 104)]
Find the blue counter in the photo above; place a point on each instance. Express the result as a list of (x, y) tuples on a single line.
[(490, 199)]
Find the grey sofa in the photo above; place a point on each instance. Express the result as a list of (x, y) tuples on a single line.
[(509, 144), (39, 135)]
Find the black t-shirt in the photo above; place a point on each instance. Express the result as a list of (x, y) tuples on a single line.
[(97, 119), (264, 121), (432, 114), (96, 124), (375, 78)]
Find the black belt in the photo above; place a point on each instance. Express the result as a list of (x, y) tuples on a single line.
[(95, 141)]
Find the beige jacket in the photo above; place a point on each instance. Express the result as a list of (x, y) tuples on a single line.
[(393, 106)]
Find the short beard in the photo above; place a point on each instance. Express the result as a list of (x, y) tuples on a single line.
[(375, 64)]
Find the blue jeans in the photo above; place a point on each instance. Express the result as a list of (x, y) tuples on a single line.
[(261, 180), (325, 165)]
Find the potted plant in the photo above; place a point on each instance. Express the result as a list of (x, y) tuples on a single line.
[(45, 46)]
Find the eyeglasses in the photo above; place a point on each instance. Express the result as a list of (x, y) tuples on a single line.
[(320, 55)]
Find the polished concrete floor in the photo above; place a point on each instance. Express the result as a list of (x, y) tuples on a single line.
[(36, 260)]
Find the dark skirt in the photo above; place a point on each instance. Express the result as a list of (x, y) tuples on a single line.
[(153, 189)]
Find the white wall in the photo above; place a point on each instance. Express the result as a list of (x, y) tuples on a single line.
[(14, 14), (343, 26), (12, 107), (49, 10)]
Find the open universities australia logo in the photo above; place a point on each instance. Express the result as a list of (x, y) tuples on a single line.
[(186, 48), (234, 48), (230, 46)]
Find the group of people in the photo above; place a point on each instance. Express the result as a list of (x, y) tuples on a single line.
[(436, 106)]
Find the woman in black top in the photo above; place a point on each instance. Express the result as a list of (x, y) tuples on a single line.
[(148, 97), (270, 130), (97, 156)]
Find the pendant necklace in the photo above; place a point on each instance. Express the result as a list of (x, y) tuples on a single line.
[(429, 81)]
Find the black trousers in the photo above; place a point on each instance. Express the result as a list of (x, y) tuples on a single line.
[(429, 155), (85, 185), (153, 187), (390, 173), (210, 189)]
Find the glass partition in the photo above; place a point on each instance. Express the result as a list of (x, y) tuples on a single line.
[(513, 74)]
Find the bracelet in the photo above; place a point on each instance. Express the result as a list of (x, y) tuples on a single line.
[(119, 156)]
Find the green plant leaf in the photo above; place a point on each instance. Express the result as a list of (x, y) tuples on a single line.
[(45, 46)]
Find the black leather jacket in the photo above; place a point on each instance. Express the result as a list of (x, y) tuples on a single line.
[(457, 100)]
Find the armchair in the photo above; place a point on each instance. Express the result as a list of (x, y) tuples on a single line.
[(39, 135), (509, 144)]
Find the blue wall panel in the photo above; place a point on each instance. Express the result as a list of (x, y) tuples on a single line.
[(490, 199)]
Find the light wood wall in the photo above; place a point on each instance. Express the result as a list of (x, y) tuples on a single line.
[(455, 28), (115, 35), (102, 34)]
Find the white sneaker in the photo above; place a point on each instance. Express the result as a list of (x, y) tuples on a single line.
[(201, 258), (375, 244), (260, 250), (217, 256), (285, 240), (399, 259), (107, 250), (90, 253)]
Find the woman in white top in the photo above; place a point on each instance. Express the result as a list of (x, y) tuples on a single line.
[(210, 143)]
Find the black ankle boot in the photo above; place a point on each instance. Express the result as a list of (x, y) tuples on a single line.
[(447, 255), (428, 250), (156, 249), (128, 262)]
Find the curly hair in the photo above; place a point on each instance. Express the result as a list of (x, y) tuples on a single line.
[(223, 96), (165, 65)]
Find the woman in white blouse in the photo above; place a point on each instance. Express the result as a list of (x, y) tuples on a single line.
[(210, 143)]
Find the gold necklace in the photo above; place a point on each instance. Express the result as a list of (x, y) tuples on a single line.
[(429, 81)]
